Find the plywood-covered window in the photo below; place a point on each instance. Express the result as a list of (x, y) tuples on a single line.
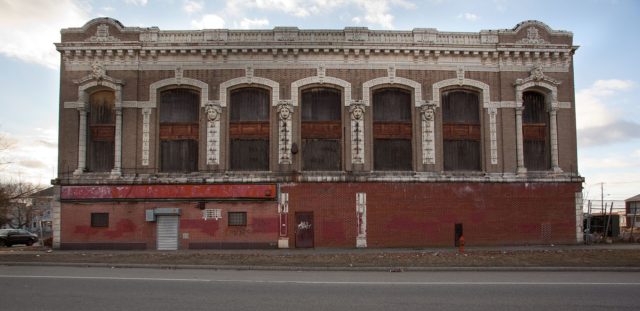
[(461, 131), (392, 130), (101, 131), (535, 132), (249, 130), (321, 129), (178, 115)]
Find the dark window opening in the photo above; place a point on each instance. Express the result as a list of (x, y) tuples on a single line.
[(101, 132), (321, 129), (249, 130), (99, 220), (461, 131), (535, 132), (237, 218), (392, 130), (178, 115)]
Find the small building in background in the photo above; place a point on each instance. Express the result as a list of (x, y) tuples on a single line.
[(632, 206)]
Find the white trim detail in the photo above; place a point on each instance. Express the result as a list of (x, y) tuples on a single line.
[(460, 80), (97, 78), (361, 219), (213, 111), (249, 79), (391, 80), (357, 111), (538, 80), (146, 116), (320, 78), (427, 117), (177, 80), (285, 114)]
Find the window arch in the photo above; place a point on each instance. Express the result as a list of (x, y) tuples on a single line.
[(321, 130), (101, 131), (178, 116), (535, 132), (461, 130), (249, 129), (392, 130)]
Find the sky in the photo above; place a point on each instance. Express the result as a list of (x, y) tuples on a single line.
[(606, 64)]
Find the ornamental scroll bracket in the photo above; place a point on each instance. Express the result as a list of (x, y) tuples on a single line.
[(427, 113), (285, 115), (213, 111), (357, 109)]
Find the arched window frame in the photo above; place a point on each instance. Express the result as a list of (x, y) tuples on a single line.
[(400, 130), (480, 130), (322, 133), (187, 131), (97, 79), (548, 86), (260, 124)]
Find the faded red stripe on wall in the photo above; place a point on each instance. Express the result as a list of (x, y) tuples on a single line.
[(226, 191)]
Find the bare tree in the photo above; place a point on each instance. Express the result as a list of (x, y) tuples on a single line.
[(15, 209)]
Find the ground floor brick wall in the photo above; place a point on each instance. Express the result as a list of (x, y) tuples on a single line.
[(397, 215), (425, 214)]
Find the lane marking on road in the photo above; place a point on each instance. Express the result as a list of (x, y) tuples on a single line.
[(309, 282)]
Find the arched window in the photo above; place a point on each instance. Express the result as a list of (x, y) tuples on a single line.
[(178, 111), (249, 130), (535, 132), (321, 129), (392, 130), (101, 131), (461, 131)]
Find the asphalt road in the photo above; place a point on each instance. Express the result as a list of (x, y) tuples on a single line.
[(69, 288)]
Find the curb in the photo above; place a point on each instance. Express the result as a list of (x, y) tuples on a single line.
[(303, 268)]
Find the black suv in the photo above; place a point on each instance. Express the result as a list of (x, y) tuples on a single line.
[(10, 237)]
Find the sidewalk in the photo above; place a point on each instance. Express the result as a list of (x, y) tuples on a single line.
[(625, 257)]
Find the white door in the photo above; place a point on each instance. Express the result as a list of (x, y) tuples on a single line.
[(167, 233)]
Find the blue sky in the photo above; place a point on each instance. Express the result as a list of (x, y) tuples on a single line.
[(606, 65)]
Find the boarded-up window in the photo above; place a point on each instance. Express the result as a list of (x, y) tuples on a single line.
[(101, 131), (535, 132), (178, 116), (321, 130), (461, 131), (392, 130), (249, 130)]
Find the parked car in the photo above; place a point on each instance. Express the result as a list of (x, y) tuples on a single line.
[(10, 237)]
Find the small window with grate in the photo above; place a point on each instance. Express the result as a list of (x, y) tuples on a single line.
[(237, 218), (99, 220), (211, 213)]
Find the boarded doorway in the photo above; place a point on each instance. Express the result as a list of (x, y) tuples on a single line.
[(457, 234), (167, 235), (304, 230)]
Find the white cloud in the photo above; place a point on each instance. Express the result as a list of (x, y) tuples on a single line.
[(591, 107), (372, 12), (28, 29), (137, 2), (31, 157), (208, 21), (468, 16), (193, 6), (253, 23)]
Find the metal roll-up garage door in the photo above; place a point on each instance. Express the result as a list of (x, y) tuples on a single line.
[(167, 233)]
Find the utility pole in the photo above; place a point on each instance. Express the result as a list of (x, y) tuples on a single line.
[(602, 199)]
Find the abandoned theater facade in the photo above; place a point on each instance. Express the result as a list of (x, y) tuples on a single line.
[(315, 138)]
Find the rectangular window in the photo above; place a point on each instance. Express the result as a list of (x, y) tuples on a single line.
[(211, 213), (237, 218), (99, 220)]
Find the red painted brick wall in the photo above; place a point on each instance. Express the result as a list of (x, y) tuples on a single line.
[(127, 224), (398, 215), (415, 215)]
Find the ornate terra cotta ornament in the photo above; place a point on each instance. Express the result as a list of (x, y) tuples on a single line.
[(285, 113), (213, 112), (357, 110)]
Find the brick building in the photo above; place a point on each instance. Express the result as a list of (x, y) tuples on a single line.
[(315, 138)]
